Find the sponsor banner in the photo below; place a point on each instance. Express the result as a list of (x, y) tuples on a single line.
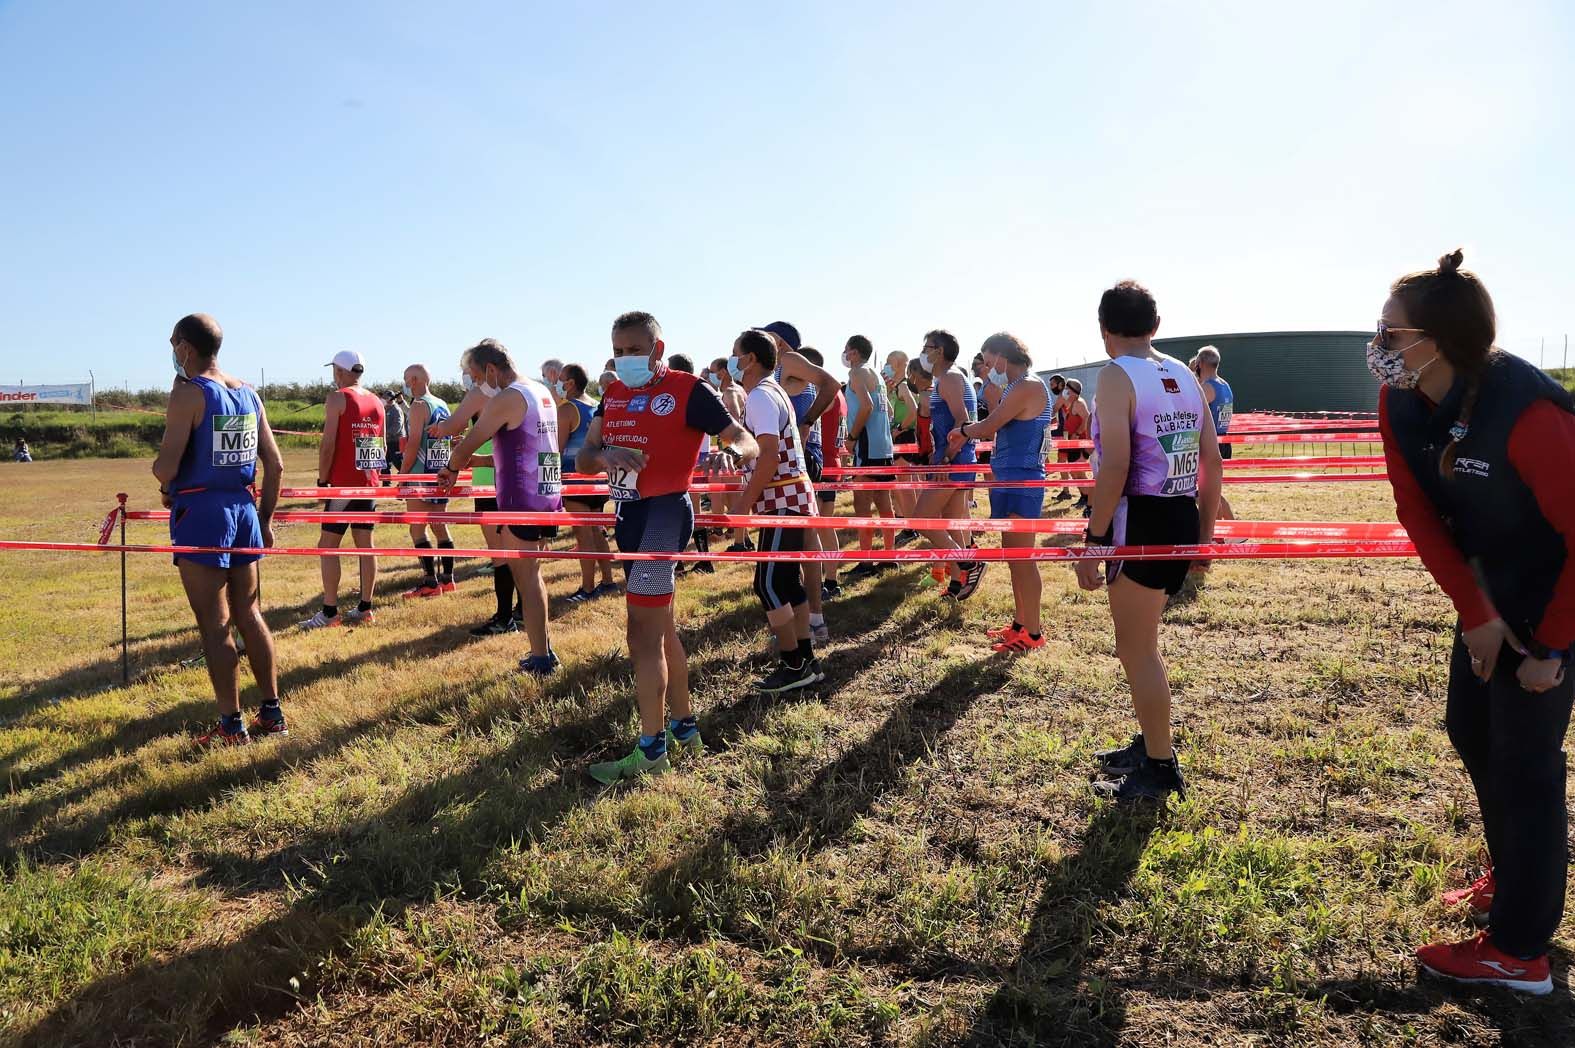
[(65, 393)]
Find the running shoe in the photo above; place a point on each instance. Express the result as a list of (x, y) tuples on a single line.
[(1477, 961), (693, 745), (1121, 760), (319, 621), (580, 596), (1019, 640), (969, 584), (906, 537), (357, 617), (864, 569), (704, 567), (495, 627), (217, 736), (997, 632), (449, 587), (426, 589), (1478, 895), (1148, 782), (820, 634), (540, 665), (747, 546), (1062, 496), (789, 678), (264, 727), (818, 670), (630, 767), (607, 589), (830, 588)]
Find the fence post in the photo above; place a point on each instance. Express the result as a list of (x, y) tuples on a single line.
[(125, 656)]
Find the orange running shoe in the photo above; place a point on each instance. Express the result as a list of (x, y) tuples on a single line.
[(426, 589), (217, 736), (1018, 640)]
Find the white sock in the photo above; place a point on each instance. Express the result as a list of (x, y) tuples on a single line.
[(817, 620)]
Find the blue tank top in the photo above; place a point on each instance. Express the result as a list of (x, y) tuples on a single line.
[(942, 422), (877, 428), (222, 452), (1224, 402), (576, 441), (433, 452), (1020, 444)]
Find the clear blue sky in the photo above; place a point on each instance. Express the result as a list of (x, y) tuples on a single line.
[(404, 179)]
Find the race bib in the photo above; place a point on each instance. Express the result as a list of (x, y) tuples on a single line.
[(439, 451), (1047, 446), (370, 453), (549, 473), (623, 484), (234, 440), (1226, 411), (1181, 462)]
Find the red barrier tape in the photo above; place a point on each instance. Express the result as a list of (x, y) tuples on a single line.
[(108, 526), (1225, 529), (1215, 551), (1085, 466)]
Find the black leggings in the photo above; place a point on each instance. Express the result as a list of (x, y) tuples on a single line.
[(1512, 743), (780, 583)]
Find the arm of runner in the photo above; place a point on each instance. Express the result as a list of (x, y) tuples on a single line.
[(501, 410), (596, 457), (863, 404), (795, 365), (180, 418), (951, 387), (334, 407), (905, 394), (474, 403), (1211, 478), (272, 464), (419, 413), (766, 446), (1027, 400), (1114, 397)]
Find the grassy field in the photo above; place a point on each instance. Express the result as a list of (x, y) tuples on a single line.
[(908, 856)]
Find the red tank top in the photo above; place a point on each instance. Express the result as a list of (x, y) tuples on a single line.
[(360, 452), (1075, 426), (653, 418)]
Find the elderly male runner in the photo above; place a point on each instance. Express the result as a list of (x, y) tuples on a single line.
[(522, 423), (353, 453), (214, 434), (646, 437)]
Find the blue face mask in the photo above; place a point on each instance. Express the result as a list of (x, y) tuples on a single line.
[(887, 373), (735, 369), (408, 393), (998, 377), (178, 369), (713, 378), (558, 388), (633, 371)]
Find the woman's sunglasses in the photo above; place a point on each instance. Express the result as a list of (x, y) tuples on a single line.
[(1381, 340)]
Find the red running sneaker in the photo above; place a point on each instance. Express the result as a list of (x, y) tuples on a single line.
[(426, 589), (1478, 961), (217, 736), (448, 587), (997, 632), (1018, 640), (1478, 895)]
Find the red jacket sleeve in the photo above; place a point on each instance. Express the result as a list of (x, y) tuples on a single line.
[(1428, 533), (1542, 450)]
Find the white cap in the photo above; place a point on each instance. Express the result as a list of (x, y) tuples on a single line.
[(348, 360)]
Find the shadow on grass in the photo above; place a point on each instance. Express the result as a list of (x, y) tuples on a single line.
[(1048, 995)]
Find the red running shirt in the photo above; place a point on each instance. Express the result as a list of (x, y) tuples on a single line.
[(360, 450), (668, 419)]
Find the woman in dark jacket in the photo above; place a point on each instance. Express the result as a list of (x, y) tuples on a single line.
[(1481, 453)]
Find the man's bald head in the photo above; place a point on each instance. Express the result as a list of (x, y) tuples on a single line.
[(201, 332)]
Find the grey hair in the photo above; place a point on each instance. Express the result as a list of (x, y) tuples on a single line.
[(1008, 347), (638, 319), (1209, 355)]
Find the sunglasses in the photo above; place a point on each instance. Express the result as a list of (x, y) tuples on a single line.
[(1381, 340)]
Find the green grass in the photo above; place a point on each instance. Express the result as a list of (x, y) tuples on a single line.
[(909, 856)]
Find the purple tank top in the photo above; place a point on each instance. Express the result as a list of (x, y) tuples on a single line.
[(529, 475), (1167, 423)]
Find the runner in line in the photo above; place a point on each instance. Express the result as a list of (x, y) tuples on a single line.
[(777, 484), (1222, 403), (910, 415), (646, 437), (1020, 427), (352, 454), (425, 453), (812, 389), (509, 616), (575, 411), (833, 423), (869, 444), (522, 422), (1076, 419), (952, 404), (215, 432), (1152, 447)]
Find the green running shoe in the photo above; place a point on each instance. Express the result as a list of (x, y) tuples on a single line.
[(629, 767), (693, 745)]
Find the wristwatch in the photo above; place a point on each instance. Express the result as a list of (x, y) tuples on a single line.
[(1542, 651), (1107, 539)]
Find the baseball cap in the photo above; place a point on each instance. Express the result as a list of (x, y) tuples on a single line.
[(786, 332), (348, 359)]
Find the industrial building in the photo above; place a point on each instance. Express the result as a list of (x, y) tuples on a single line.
[(1275, 370)]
